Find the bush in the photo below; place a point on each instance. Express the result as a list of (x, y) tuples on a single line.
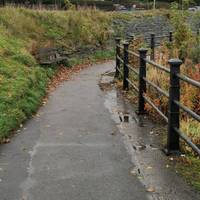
[(194, 54)]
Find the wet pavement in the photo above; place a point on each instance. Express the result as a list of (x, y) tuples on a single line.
[(85, 144)]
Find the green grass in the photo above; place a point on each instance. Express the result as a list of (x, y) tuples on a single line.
[(22, 81), (189, 168)]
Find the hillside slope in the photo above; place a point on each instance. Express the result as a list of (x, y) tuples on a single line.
[(22, 81)]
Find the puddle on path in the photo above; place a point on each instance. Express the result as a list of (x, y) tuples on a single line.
[(117, 108)]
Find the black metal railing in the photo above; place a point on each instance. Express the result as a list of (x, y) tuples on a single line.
[(153, 41), (174, 106)]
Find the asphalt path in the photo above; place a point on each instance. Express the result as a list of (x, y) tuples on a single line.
[(73, 149)]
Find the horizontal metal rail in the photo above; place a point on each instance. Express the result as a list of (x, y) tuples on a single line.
[(132, 69), (120, 59), (156, 87), (187, 110), (121, 47), (189, 80), (156, 45), (157, 65), (188, 141), (133, 85), (120, 71), (155, 108), (161, 36), (133, 53)]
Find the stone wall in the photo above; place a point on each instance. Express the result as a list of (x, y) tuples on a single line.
[(143, 26)]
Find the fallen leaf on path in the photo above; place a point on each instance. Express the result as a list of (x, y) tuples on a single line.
[(141, 147), (149, 167), (133, 172), (7, 140), (151, 189), (114, 133), (66, 73)]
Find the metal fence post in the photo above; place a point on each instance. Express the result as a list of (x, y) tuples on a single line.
[(126, 71), (173, 109), (198, 36), (142, 83), (117, 41), (170, 42), (3, 3), (170, 36), (130, 38), (152, 46)]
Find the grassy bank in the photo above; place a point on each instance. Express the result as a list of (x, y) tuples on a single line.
[(22, 81), (22, 32)]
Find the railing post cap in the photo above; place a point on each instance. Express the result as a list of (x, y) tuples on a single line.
[(131, 35), (143, 50), (152, 34), (129, 38), (125, 43), (175, 61)]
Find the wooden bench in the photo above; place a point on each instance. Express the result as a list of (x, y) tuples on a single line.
[(48, 56)]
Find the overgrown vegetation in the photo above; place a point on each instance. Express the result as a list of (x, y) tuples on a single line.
[(22, 81), (186, 47)]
